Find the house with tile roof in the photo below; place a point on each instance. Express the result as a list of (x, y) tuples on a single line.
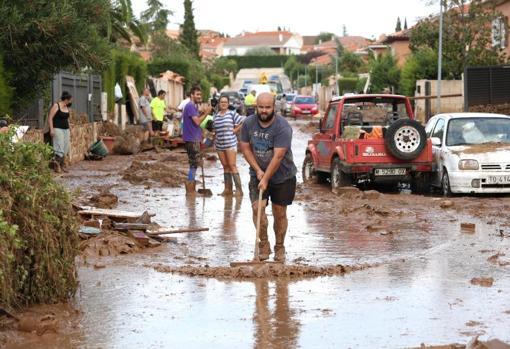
[(281, 42), (355, 44), (397, 44)]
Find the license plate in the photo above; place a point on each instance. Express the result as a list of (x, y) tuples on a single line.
[(499, 179), (306, 112), (390, 172)]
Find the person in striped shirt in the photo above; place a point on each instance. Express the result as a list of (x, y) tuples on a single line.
[(227, 124)]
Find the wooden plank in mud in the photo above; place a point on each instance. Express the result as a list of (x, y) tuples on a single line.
[(92, 211)]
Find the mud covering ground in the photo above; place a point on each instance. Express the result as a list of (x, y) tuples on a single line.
[(417, 289), (41, 327), (262, 271)]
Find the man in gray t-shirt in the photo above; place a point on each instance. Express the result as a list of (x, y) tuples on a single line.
[(266, 141), (144, 102)]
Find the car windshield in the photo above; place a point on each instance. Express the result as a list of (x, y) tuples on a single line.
[(375, 110), (304, 100), (471, 131), (289, 98)]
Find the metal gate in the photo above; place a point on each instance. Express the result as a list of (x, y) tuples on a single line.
[(86, 92), (486, 86)]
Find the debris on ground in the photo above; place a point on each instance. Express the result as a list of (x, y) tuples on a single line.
[(109, 129), (262, 271), (468, 228), (109, 244), (160, 172), (446, 204), (105, 199), (481, 281), (475, 343), (48, 326), (348, 192)]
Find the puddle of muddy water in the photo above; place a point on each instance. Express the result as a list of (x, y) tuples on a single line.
[(420, 293)]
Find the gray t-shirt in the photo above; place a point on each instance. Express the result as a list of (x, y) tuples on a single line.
[(145, 105), (264, 140)]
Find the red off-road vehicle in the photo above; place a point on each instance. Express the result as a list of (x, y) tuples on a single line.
[(370, 138)]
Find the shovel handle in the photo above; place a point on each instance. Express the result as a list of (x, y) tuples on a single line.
[(259, 217)]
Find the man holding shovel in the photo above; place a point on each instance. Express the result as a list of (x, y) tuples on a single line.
[(266, 144), (192, 117)]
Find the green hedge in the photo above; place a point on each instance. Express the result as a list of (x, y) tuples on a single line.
[(176, 65), (123, 63), (347, 85), (244, 62)]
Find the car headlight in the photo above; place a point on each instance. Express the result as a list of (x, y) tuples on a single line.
[(468, 164)]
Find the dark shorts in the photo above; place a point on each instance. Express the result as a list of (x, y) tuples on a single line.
[(157, 125), (281, 194), (193, 150)]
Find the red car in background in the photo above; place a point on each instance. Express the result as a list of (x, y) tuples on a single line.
[(304, 106)]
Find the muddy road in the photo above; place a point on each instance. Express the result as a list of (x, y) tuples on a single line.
[(417, 269)]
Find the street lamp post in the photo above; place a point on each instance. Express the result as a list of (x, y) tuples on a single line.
[(440, 58)]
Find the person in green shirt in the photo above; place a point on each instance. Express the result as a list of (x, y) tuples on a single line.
[(158, 107), (250, 99)]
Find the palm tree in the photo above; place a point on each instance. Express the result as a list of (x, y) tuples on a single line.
[(123, 24)]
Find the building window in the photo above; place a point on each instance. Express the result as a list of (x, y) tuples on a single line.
[(499, 33)]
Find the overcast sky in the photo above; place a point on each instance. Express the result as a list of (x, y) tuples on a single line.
[(368, 18)]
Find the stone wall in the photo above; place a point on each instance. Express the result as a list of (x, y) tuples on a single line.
[(82, 137), (34, 136)]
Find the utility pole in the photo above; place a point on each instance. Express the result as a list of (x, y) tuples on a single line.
[(306, 75), (440, 58)]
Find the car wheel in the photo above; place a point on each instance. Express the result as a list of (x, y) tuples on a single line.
[(445, 184), (338, 177), (420, 183), (406, 139), (310, 174)]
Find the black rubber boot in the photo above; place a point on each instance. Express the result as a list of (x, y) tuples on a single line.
[(239, 186), (227, 177)]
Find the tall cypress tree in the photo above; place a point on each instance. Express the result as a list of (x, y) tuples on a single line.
[(399, 25), (405, 24), (189, 34)]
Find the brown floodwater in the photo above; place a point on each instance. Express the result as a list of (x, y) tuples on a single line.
[(418, 289)]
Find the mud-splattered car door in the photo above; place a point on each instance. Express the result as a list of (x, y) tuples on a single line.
[(327, 137)]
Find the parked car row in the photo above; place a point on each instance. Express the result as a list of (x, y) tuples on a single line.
[(373, 138), (296, 106)]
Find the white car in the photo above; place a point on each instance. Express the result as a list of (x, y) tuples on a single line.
[(471, 151)]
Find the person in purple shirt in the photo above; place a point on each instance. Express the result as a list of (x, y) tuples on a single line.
[(192, 117)]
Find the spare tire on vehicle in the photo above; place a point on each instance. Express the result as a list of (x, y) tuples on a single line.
[(405, 139)]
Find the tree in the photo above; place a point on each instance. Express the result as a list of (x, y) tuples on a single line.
[(279, 28), (350, 62), (39, 39), (467, 36), (5, 92), (422, 64), (189, 34), (405, 24), (323, 37), (121, 23), (155, 17), (398, 27), (260, 51), (384, 74), (292, 68), (344, 30)]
